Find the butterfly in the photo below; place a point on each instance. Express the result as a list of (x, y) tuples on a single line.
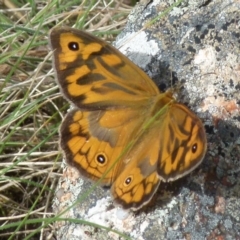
[(122, 129)]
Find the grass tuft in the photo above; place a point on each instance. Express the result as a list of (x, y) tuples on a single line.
[(31, 107)]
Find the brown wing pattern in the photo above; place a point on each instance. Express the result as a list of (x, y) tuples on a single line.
[(94, 75), (185, 146), (94, 141)]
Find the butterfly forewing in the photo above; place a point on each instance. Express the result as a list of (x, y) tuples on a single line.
[(94, 75)]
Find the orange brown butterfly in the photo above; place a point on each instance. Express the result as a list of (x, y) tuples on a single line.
[(122, 128)]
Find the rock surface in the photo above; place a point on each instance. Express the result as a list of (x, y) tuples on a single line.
[(197, 46)]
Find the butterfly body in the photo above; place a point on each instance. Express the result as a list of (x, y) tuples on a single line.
[(122, 130)]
